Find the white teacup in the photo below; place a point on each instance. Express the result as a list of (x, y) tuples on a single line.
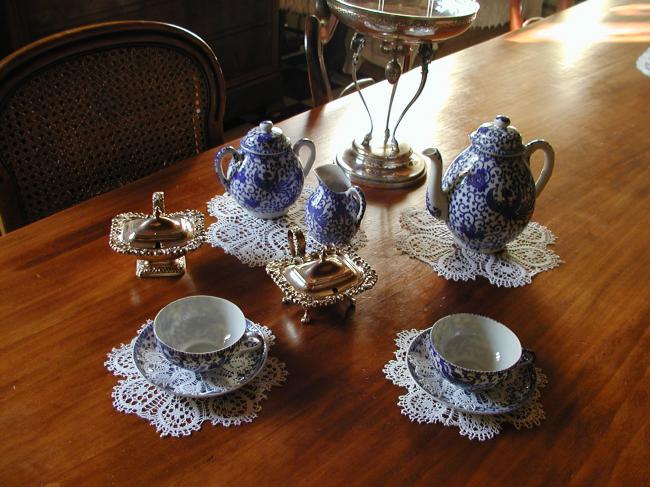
[(475, 352), (200, 333)]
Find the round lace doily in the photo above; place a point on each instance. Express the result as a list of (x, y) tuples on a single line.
[(254, 241), (421, 407), (643, 63), (180, 416), (429, 240)]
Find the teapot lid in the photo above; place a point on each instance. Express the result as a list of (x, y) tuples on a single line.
[(498, 138), (265, 139)]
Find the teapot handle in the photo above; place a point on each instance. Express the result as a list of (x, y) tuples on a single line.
[(549, 161), (355, 190), (236, 160), (312, 154)]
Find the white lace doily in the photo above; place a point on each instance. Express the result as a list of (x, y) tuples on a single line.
[(643, 63), (254, 241), (429, 240), (180, 416), (421, 407)]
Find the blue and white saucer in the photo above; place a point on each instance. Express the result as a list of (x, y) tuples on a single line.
[(502, 399), (156, 369)]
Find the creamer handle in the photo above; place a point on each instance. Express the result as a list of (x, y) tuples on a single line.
[(356, 190)]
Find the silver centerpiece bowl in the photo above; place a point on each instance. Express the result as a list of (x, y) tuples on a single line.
[(402, 26)]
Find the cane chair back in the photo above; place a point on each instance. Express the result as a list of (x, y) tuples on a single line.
[(87, 110)]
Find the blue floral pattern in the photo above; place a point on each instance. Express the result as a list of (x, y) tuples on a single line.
[(331, 217), (265, 176), (490, 189), (509, 396), (209, 361), (467, 379), (266, 185), (156, 369)]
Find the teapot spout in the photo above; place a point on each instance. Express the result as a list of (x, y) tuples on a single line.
[(437, 200)]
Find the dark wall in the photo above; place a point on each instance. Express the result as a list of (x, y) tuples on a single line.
[(242, 33), (5, 42)]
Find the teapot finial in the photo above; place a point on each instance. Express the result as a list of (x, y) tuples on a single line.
[(501, 121), (266, 126)]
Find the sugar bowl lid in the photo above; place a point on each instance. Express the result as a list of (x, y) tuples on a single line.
[(265, 139), (498, 138), (158, 230)]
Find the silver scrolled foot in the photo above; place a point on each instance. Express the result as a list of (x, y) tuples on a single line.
[(305, 318)]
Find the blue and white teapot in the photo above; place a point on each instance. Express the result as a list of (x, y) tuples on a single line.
[(265, 176), (487, 195)]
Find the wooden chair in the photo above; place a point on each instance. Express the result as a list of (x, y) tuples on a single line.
[(89, 109), (516, 19), (319, 31)]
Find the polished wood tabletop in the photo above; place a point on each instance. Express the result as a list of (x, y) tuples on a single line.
[(67, 299)]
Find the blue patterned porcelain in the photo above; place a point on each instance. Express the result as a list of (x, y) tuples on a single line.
[(335, 209), (487, 195), (265, 176), (504, 398), (202, 333), (156, 369), (476, 353)]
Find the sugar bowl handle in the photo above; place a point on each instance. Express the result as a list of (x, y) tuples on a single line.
[(236, 160), (297, 244), (549, 162), (312, 154)]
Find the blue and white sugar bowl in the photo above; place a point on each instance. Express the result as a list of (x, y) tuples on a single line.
[(265, 176), (487, 196), (335, 209)]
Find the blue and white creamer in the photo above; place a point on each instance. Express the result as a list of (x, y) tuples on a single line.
[(335, 209)]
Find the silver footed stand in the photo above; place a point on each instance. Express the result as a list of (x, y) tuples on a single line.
[(386, 163)]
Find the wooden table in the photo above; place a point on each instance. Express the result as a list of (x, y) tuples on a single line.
[(67, 299)]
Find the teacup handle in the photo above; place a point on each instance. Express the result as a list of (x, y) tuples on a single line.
[(218, 158), (356, 191), (312, 154), (528, 357), (257, 339), (549, 162)]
